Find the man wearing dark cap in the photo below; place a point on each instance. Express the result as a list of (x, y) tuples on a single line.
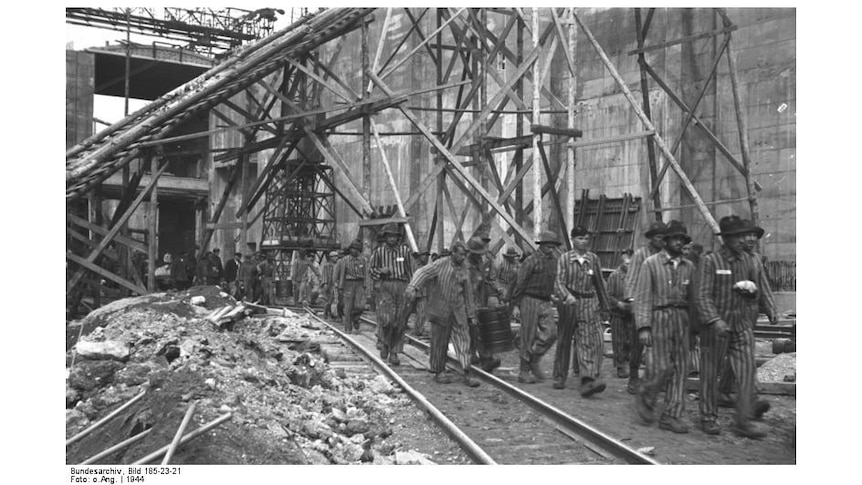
[(581, 289), (662, 298), (730, 284), (655, 243), (231, 270), (507, 272), (451, 310), (352, 286), (531, 301), (391, 267), (622, 322), (483, 284)]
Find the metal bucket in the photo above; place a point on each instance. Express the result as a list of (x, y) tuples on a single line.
[(495, 329)]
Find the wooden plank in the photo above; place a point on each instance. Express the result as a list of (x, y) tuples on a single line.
[(683, 40), (774, 388), (551, 130), (105, 273), (136, 245)]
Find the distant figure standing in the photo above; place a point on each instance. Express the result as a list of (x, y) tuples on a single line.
[(391, 267), (622, 323), (352, 287), (179, 272), (266, 272), (246, 278), (231, 271), (507, 273), (327, 288)]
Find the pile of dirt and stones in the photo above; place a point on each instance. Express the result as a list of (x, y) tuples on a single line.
[(287, 405)]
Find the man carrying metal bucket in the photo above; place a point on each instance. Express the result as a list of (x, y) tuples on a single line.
[(450, 310), (581, 288), (531, 302), (483, 284)]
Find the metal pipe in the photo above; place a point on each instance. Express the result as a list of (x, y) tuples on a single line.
[(104, 420), (185, 439), (119, 446), (177, 437), (469, 446)]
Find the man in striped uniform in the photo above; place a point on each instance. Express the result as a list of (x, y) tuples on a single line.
[(327, 288), (729, 285), (622, 322), (661, 309), (451, 310), (352, 286), (655, 236), (766, 305), (484, 285), (507, 272), (581, 289), (392, 267), (266, 270), (421, 260), (531, 301)]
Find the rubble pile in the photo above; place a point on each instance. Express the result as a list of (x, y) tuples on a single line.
[(287, 404), (781, 368)]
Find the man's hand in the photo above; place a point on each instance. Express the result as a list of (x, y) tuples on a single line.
[(645, 337), (410, 292), (570, 300), (721, 328), (516, 312)]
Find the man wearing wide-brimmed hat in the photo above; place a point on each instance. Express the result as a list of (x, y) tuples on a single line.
[(730, 284), (483, 283), (352, 286), (622, 321), (662, 301), (391, 267), (581, 289), (531, 300), (727, 381), (507, 272), (655, 243)]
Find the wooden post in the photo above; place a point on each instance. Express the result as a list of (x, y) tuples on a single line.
[(653, 169), (394, 185), (441, 179), (537, 169), (153, 221), (366, 121), (648, 124), (570, 123), (743, 135)]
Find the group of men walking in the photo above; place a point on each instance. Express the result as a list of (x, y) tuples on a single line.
[(664, 310)]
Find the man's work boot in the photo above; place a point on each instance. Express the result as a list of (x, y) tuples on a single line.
[(590, 387), (644, 404), (536, 368), (759, 408), (384, 352), (442, 378), (634, 382), (488, 365), (672, 424), (524, 375), (623, 372), (559, 383), (474, 359), (469, 381), (393, 359), (710, 427), (747, 430), (725, 401)]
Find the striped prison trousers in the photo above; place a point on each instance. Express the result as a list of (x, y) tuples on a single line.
[(444, 329), (667, 368), (391, 305), (738, 345), (354, 303), (580, 321), (623, 337), (538, 327)]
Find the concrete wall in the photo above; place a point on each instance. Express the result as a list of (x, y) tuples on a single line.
[(764, 46), (80, 85)]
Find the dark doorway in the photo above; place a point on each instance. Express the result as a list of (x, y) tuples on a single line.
[(176, 226)]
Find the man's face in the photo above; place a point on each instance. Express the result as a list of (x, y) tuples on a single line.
[(735, 243), (750, 241), (354, 252), (458, 256), (391, 240), (673, 245), (546, 248), (627, 258), (686, 249), (581, 243), (657, 241)]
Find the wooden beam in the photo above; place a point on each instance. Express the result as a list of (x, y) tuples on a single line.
[(104, 273), (382, 221), (136, 245), (683, 40), (410, 54), (550, 130), (648, 124), (116, 228), (555, 198), (454, 162), (394, 186)]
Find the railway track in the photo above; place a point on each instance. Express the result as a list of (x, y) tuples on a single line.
[(496, 423)]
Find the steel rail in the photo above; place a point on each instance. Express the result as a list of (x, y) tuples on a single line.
[(596, 437), (476, 453)]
